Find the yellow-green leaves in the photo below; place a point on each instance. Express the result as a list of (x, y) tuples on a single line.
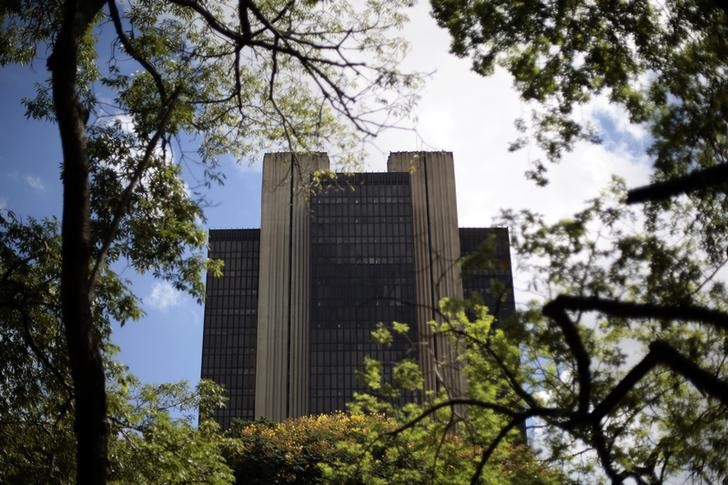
[(382, 335)]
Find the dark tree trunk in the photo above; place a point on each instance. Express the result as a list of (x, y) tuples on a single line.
[(84, 346)]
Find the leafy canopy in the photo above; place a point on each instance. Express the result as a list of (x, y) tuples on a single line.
[(147, 444)]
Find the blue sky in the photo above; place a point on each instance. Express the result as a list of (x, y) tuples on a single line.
[(166, 344), (459, 112)]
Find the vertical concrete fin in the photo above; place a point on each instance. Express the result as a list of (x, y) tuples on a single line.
[(272, 286), (282, 351), (445, 248), (305, 165), (434, 205)]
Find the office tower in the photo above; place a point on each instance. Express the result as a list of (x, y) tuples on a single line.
[(289, 323)]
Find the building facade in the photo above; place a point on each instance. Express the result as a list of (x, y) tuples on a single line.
[(289, 323)]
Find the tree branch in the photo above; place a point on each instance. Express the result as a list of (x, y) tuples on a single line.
[(475, 479), (703, 380), (556, 311), (708, 178), (124, 200), (133, 52), (39, 354), (623, 309)]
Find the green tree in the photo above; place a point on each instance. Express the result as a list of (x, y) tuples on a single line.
[(236, 77), (362, 448), (623, 372), (37, 443), (663, 63), (611, 277)]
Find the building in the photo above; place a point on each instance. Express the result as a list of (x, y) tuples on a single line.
[(289, 323)]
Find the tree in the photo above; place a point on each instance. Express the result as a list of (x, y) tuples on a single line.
[(651, 279), (663, 64), (628, 382), (36, 437), (235, 76), (360, 448), (627, 353)]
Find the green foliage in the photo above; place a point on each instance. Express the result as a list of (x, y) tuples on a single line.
[(149, 446), (235, 97), (663, 426), (529, 371), (360, 448), (37, 443), (159, 213), (447, 445), (662, 65), (275, 75)]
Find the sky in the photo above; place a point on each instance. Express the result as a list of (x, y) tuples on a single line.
[(459, 111)]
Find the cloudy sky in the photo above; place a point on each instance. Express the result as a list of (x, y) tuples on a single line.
[(459, 112)]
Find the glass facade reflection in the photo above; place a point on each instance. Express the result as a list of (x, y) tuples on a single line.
[(362, 272)]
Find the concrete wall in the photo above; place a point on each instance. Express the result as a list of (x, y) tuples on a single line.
[(437, 250), (281, 388)]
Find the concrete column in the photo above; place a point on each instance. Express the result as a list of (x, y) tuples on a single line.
[(281, 386), (437, 251)]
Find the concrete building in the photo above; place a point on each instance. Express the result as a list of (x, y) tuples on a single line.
[(289, 323)]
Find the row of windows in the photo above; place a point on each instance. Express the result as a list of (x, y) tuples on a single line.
[(341, 381), (358, 260), (241, 278), (371, 239), (345, 194), (360, 249), (326, 274), (239, 393), (324, 358), (323, 213), (334, 310), (248, 262), (372, 194), (229, 344), (244, 313), (235, 362), (364, 229), (232, 298), (227, 324), (361, 197), (226, 246), (235, 384)]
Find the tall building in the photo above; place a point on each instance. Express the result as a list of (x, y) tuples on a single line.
[(289, 323)]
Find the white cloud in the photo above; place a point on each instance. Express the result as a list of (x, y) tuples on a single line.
[(473, 116), (162, 296), (34, 182), (126, 122)]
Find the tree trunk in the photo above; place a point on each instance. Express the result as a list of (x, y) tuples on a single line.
[(82, 338)]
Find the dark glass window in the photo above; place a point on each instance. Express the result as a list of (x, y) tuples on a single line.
[(231, 307), (487, 268), (362, 273)]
